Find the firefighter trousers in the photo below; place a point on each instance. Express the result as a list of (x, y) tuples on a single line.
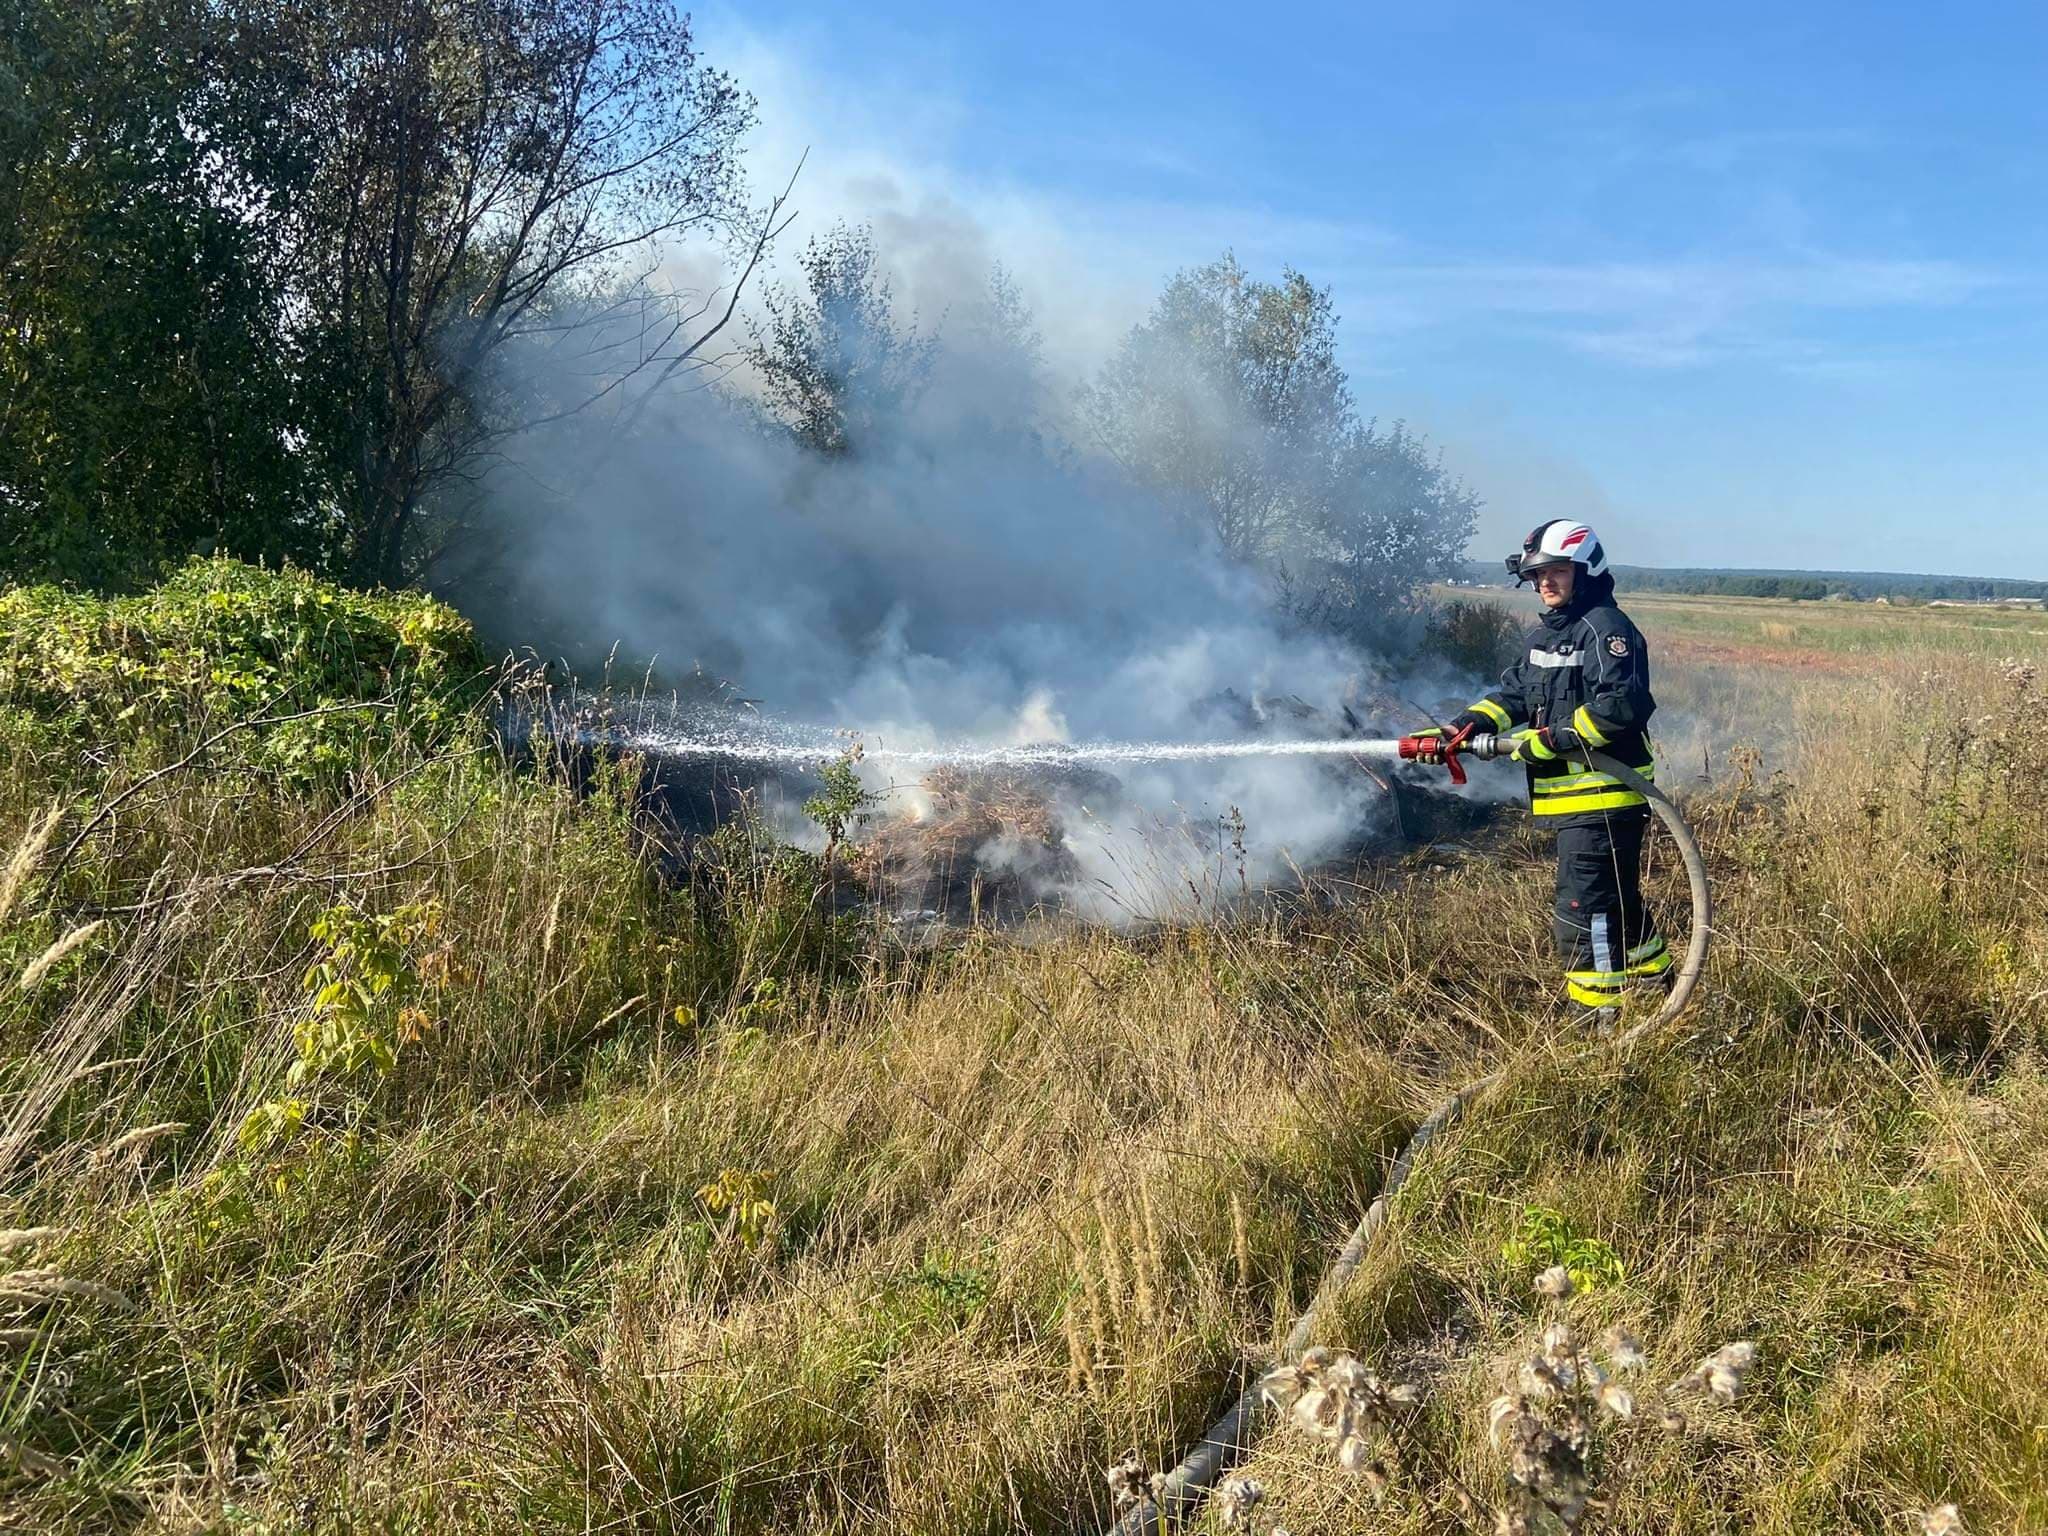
[(1605, 935)]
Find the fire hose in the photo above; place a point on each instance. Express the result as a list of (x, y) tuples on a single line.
[(1180, 1494)]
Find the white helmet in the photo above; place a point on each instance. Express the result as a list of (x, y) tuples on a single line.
[(1556, 542)]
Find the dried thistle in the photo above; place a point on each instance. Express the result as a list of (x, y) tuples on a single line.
[(1127, 1479), (1501, 1414), (1333, 1396), (1616, 1402), (1720, 1374), (1538, 1380), (1558, 1344), (1623, 1353), (1547, 1470), (1317, 1411), (1942, 1520), (1236, 1498), (1283, 1385)]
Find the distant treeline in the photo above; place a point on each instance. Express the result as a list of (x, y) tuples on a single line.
[(1813, 585), (1809, 586)]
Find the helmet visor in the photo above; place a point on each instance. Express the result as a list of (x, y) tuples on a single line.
[(1524, 567)]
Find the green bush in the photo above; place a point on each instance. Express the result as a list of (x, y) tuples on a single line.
[(1475, 635), (223, 643)]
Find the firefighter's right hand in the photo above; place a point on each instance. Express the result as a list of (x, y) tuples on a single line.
[(1430, 744)]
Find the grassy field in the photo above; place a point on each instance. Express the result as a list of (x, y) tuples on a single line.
[(1775, 630), (387, 1149)]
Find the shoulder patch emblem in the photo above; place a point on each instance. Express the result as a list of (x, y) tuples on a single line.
[(1617, 645)]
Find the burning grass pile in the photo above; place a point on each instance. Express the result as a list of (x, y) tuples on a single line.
[(979, 843)]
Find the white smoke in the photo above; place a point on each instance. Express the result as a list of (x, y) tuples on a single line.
[(961, 578)]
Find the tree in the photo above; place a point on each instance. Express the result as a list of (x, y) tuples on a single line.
[(491, 177), (833, 361), (281, 278), (1229, 400), (1228, 397), (146, 382), (1395, 519)]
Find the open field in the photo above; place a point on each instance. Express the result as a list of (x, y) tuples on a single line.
[(413, 1160), (1772, 674), (1785, 632), (1854, 629)]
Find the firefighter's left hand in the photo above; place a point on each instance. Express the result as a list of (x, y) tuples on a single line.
[(1535, 747)]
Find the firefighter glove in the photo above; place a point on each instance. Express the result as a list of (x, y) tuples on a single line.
[(1470, 719), (1537, 746)]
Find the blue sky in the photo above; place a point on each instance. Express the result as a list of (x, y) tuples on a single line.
[(1748, 285)]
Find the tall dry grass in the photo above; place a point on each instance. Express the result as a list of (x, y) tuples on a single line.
[(700, 1208)]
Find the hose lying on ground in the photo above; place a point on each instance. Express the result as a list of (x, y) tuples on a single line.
[(1226, 1441)]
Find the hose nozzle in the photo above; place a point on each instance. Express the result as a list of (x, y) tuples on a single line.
[(1435, 747)]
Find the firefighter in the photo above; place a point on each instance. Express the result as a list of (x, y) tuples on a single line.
[(1582, 684)]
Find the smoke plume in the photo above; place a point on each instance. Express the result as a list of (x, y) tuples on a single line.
[(966, 571)]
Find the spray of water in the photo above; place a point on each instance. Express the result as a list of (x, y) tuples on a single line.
[(802, 750)]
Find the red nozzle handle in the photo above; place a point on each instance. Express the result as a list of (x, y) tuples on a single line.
[(1451, 750), (1439, 749)]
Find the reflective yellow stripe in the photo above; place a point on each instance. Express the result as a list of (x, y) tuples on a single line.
[(1579, 788), (1649, 958), (1539, 749), (1573, 784), (1589, 731), (1584, 987), (1500, 717), (1566, 805), (1575, 780)]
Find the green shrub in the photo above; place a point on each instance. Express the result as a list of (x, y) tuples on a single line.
[(1548, 1239), (1474, 635), (223, 643)]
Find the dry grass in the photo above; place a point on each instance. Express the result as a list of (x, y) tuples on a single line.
[(996, 1213)]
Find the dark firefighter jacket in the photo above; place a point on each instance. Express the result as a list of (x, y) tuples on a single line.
[(1583, 682)]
